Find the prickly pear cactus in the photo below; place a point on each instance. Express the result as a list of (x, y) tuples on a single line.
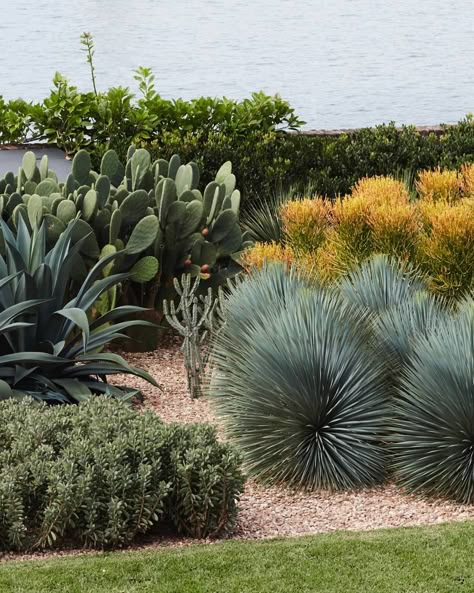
[(152, 212)]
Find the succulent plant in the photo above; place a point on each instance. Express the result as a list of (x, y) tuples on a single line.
[(151, 213), (49, 348), (196, 318), (297, 385), (433, 429)]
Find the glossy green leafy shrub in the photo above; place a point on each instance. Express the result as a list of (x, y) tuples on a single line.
[(274, 161), (299, 386), (101, 474), (117, 118), (251, 133), (50, 349)]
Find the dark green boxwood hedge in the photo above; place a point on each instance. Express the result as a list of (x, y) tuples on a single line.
[(266, 162)]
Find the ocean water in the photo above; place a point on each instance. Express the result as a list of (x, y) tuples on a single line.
[(340, 63)]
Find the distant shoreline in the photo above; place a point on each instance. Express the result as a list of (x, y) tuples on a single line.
[(424, 130)]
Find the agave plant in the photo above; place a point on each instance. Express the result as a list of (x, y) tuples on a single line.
[(433, 436), (49, 348), (297, 385)]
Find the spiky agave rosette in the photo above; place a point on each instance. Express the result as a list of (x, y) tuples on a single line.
[(49, 347)]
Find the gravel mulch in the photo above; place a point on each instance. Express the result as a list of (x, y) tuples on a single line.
[(271, 511)]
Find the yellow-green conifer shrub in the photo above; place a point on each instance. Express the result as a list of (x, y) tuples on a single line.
[(305, 222), (446, 248), (439, 185)]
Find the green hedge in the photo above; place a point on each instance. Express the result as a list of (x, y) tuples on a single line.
[(267, 162), (100, 474), (252, 133)]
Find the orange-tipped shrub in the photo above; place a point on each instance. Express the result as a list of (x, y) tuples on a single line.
[(305, 223), (262, 253), (467, 180), (434, 233), (378, 190), (351, 238), (395, 229), (447, 246), (439, 185)]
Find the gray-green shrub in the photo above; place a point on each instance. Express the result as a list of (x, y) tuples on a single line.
[(99, 474)]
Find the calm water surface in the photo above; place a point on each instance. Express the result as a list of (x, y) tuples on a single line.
[(341, 63)]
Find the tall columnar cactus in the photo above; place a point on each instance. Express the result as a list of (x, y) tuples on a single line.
[(196, 319), (151, 211)]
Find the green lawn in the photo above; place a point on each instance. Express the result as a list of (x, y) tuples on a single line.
[(418, 560)]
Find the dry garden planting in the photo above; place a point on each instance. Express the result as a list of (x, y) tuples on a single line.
[(331, 367), (184, 363)]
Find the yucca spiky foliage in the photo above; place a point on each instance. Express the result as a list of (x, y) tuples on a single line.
[(51, 350), (296, 383), (433, 436), (398, 300), (379, 283)]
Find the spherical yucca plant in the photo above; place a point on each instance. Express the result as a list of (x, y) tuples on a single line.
[(297, 385), (397, 298), (400, 327), (433, 436), (380, 283)]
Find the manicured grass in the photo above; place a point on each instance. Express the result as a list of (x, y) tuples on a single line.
[(418, 560)]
